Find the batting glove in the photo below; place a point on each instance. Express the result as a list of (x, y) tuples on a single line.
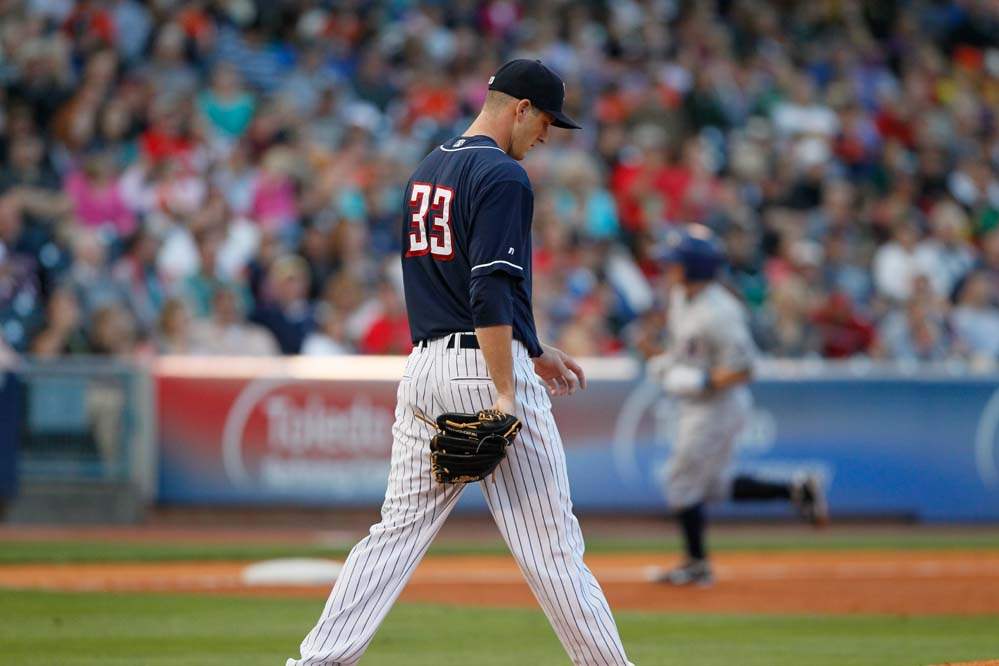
[(686, 381)]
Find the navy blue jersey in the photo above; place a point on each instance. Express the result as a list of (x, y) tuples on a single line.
[(468, 212)]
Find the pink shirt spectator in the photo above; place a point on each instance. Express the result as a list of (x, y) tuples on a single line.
[(273, 201), (99, 204)]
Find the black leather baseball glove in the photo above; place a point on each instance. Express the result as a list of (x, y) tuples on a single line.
[(468, 447)]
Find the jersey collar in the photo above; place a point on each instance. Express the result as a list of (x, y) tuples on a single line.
[(467, 141)]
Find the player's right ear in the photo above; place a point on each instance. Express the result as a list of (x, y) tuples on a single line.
[(523, 108)]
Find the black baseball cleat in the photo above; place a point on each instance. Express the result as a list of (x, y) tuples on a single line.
[(809, 497), (691, 572)]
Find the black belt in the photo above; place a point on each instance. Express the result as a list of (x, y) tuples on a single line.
[(465, 341)]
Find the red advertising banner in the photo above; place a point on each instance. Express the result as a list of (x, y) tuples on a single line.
[(247, 431)]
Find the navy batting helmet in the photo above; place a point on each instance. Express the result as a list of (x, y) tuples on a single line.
[(697, 250)]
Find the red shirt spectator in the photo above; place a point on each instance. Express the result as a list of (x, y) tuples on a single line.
[(843, 332), (388, 332)]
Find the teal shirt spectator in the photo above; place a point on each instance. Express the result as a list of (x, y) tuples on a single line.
[(601, 214), (599, 211), (230, 117), (352, 205), (199, 293)]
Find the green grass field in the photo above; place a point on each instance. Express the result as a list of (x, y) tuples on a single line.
[(21, 551), (83, 629), (59, 629)]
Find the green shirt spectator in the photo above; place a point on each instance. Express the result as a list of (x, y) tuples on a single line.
[(226, 105)]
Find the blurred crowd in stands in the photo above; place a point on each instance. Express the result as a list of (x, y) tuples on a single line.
[(225, 177)]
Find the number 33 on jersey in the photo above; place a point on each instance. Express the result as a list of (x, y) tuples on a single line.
[(438, 241)]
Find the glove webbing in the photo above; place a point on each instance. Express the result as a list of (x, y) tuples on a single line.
[(485, 416)]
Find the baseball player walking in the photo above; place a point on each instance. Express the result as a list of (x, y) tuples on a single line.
[(467, 276), (707, 366)]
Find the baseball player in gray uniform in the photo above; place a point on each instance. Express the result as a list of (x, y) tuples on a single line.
[(706, 368), (466, 259)]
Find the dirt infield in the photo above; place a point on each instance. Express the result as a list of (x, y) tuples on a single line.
[(902, 582)]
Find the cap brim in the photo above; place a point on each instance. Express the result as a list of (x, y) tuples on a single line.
[(563, 121), (671, 255)]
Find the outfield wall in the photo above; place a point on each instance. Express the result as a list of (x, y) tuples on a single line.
[(300, 431)]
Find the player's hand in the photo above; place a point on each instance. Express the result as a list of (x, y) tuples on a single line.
[(559, 371), (687, 381), (657, 366), (506, 404)]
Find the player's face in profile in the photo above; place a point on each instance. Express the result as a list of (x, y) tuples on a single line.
[(674, 273), (530, 128)]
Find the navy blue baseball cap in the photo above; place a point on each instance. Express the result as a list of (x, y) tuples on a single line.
[(697, 250), (532, 80)]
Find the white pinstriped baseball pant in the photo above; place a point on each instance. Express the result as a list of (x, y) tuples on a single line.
[(528, 496)]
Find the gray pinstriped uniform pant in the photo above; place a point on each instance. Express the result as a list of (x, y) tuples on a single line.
[(528, 496)]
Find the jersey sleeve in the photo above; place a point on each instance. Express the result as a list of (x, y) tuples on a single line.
[(501, 222), (492, 299)]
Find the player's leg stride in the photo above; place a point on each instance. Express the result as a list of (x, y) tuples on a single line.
[(473, 405), (804, 491), (809, 496), (707, 366), (695, 569)]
